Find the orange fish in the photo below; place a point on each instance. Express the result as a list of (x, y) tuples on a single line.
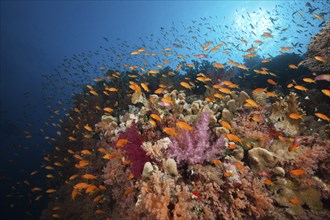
[(81, 186), (290, 85), (297, 172), (226, 125), (71, 138), (326, 92), (99, 211), (51, 191), (55, 215), (183, 125), (185, 84), (97, 198), (308, 80), (228, 174), (101, 187), (294, 201), (216, 162), (87, 136), (216, 48), (156, 117), (170, 131), (167, 100), (267, 35), (250, 55), (88, 128), (130, 176), (251, 103), (239, 165), (232, 145), (293, 147), (230, 84), (258, 90), (218, 95), (154, 71), (128, 191), (225, 90), (86, 152), (49, 167), (272, 82), (94, 92), (292, 66), (295, 116), (268, 182), (89, 176), (73, 177), (218, 65), (271, 94), (286, 48), (145, 87), (301, 88), (256, 118), (113, 89), (322, 116), (83, 163), (35, 189), (121, 142), (203, 79), (109, 156), (319, 58), (135, 87), (282, 139), (108, 109), (159, 91), (233, 137), (102, 150), (91, 189), (152, 122)]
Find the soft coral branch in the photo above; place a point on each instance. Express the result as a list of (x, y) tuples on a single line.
[(133, 150), (195, 146)]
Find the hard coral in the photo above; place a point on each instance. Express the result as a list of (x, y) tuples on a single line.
[(194, 146), (280, 115), (319, 46)]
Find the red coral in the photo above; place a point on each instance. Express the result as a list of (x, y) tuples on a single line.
[(133, 150)]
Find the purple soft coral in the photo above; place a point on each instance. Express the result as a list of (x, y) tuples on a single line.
[(194, 146), (133, 150)]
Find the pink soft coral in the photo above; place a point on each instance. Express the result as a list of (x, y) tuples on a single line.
[(194, 146)]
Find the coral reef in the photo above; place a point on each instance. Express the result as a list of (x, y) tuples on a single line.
[(167, 150), (281, 111), (319, 47)]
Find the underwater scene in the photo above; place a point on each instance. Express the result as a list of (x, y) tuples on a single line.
[(165, 110)]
